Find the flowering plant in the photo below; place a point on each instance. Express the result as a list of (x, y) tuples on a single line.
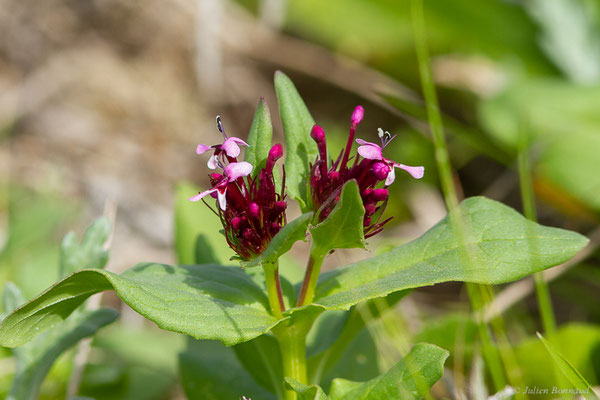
[(290, 336)]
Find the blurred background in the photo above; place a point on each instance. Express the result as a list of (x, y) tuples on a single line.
[(102, 104)]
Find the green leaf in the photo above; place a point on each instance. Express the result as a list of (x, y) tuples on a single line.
[(301, 149), (259, 138), (305, 392), (196, 227), (203, 301), (210, 371), (283, 241), (35, 359), (343, 228), (261, 357), (90, 253), (410, 378), (503, 246), (569, 371), (12, 297)]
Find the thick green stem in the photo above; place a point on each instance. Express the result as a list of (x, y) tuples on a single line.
[(274, 289), (292, 343), (311, 277)]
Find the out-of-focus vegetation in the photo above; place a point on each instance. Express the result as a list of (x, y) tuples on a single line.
[(103, 102)]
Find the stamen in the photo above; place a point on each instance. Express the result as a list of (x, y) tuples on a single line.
[(220, 126)]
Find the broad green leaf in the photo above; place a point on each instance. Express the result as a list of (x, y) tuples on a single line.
[(259, 138), (12, 297), (35, 359), (343, 228), (196, 231), (261, 357), (283, 241), (502, 246), (210, 371), (576, 379), (90, 253), (305, 392), (301, 149), (203, 301), (411, 378)]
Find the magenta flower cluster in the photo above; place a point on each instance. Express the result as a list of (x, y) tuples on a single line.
[(327, 179), (250, 209)]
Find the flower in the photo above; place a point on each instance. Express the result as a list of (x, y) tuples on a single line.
[(228, 151), (327, 180), (250, 209), (231, 173), (372, 151)]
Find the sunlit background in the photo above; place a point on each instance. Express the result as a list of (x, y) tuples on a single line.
[(102, 104)]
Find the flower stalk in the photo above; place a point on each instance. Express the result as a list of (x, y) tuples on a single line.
[(274, 289), (311, 277)]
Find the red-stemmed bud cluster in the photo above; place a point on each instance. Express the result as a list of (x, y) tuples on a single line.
[(250, 209), (255, 212), (328, 178)]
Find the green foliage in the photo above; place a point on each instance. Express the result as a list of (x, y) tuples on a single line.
[(301, 149), (576, 379), (343, 228), (259, 138), (205, 301), (283, 241), (196, 227), (411, 378), (561, 121), (90, 253), (210, 371), (261, 357), (35, 358), (503, 246)]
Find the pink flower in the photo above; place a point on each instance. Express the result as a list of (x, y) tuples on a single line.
[(372, 151), (231, 173), (230, 148)]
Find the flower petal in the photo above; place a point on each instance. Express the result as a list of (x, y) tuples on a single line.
[(202, 148), (212, 162), (364, 142), (390, 178), (231, 148), (221, 199), (237, 170), (203, 194), (416, 172), (370, 151)]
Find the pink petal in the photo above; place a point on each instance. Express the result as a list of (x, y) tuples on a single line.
[(237, 170), (364, 142), (212, 162), (221, 199), (370, 152), (202, 148), (231, 148), (390, 178), (203, 194), (357, 115), (416, 172)]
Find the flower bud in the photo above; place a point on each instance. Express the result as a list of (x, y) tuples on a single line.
[(380, 170), (357, 115), (318, 134), (254, 210), (379, 195)]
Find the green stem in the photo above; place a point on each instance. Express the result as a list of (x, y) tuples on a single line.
[(292, 343), (274, 289), (528, 199), (311, 277), (448, 187)]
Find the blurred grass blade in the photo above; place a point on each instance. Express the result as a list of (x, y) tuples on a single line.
[(576, 379)]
